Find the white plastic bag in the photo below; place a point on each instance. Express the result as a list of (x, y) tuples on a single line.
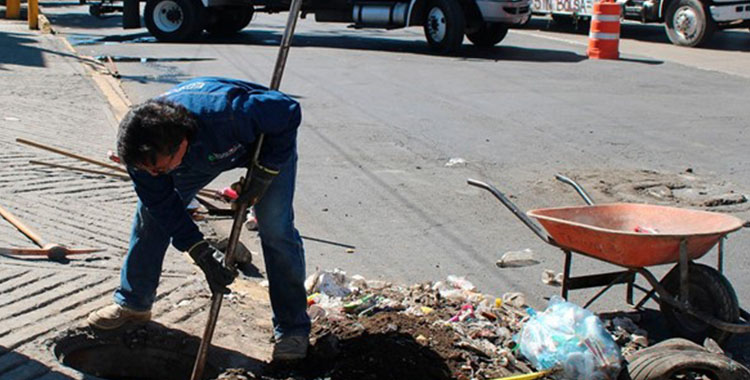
[(567, 336)]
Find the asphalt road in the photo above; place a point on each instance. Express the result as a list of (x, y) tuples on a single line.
[(383, 116)]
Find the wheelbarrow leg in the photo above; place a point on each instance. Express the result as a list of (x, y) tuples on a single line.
[(629, 292), (684, 273), (720, 263), (566, 274)]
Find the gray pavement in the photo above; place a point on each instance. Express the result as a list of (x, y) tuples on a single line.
[(382, 117), (47, 95)]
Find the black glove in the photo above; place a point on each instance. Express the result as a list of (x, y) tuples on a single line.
[(259, 181), (211, 262)]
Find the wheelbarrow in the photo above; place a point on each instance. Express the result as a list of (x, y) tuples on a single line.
[(696, 300)]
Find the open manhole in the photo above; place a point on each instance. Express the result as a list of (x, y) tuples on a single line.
[(150, 352)]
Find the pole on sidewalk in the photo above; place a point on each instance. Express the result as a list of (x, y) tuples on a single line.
[(13, 9), (241, 210), (33, 13)]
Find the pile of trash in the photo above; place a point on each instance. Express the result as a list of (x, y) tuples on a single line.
[(369, 329)]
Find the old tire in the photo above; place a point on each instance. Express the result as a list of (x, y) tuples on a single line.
[(230, 20), (663, 362), (688, 23), (488, 35), (444, 26), (710, 292), (174, 20)]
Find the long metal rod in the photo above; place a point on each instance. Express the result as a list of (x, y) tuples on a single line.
[(579, 189), (514, 209), (241, 211)]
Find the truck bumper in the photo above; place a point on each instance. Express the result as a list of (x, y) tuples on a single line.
[(723, 13), (509, 12)]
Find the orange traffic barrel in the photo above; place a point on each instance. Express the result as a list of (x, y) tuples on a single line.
[(604, 35)]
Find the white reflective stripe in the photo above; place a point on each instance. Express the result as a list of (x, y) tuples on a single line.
[(605, 17), (604, 36)]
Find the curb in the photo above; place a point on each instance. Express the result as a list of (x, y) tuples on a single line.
[(108, 86)]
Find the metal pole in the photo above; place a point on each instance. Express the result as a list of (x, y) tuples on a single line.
[(241, 211), (684, 274)]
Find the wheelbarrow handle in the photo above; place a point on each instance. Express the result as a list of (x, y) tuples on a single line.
[(579, 189), (514, 209)]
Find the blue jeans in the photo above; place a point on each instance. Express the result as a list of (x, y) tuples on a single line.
[(282, 251)]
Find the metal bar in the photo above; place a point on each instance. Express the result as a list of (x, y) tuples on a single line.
[(47, 251), (629, 291), (514, 209), (595, 280), (31, 234), (720, 263), (579, 189), (625, 276), (241, 210), (684, 274), (645, 299), (566, 274)]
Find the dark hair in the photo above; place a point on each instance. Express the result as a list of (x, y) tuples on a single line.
[(151, 129)]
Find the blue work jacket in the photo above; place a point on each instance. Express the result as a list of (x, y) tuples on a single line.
[(231, 115)]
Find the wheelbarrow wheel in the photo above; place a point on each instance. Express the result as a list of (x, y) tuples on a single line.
[(711, 293)]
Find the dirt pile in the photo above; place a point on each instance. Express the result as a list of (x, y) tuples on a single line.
[(371, 330)]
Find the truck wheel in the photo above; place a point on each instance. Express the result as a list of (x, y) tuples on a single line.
[(444, 26), (710, 292), (688, 23), (230, 21), (174, 20), (489, 34)]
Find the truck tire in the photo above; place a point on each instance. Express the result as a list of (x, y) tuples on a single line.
[(444, 26), (174, 20), (488, 35), (229, 21), (709, 292), (688, 23)]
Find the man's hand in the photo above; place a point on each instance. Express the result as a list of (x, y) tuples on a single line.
[(259, 181), (211, 262)]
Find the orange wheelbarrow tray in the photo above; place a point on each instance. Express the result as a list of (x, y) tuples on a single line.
[(635, 236)]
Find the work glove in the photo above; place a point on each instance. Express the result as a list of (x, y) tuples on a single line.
[(261, 178), (211, 261)]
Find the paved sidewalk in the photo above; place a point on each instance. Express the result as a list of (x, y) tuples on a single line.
[(47, 95)]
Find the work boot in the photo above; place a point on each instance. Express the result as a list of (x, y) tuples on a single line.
[(290, 348), (114, 316)]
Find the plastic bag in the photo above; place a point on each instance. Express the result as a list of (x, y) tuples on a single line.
[(567, 336)]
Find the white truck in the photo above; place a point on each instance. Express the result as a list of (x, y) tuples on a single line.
[(687, 22), (445, 22)]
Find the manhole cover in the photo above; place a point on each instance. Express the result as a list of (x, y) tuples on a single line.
[(152, 352)]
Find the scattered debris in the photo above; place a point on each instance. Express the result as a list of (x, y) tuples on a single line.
[(456, 161), (552, 278), (517, 259)]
